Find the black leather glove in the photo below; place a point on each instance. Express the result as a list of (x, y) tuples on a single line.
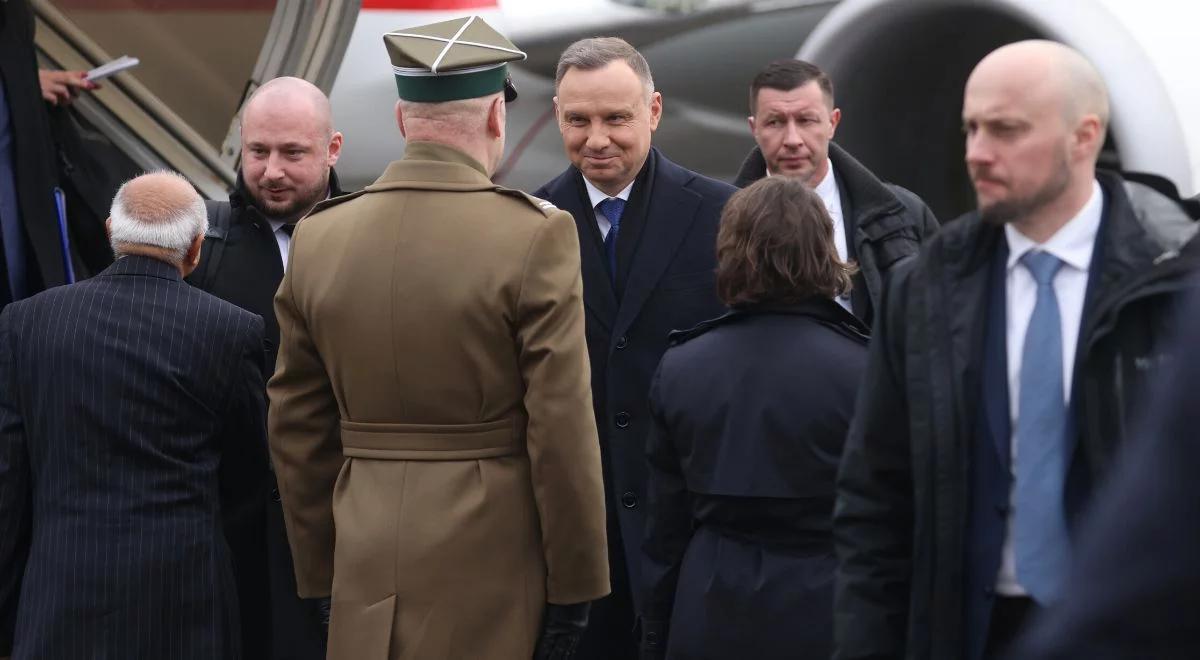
[(322, 607), (562, 628), (654, 640)]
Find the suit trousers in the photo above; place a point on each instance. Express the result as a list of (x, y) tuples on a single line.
[(1010, 617)]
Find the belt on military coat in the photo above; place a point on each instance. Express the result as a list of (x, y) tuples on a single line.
[(430, 442)]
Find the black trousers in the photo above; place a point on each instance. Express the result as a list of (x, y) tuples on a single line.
[(1010, 616)]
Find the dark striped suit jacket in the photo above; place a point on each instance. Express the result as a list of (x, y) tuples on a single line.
[(132, 426)]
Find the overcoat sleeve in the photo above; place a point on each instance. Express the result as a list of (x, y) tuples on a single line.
[(873, 513), (563, 447), (669, 525), (306, 446), (14, 488)]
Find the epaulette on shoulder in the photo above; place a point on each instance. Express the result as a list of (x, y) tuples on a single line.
[(334, 201), (540, 204)]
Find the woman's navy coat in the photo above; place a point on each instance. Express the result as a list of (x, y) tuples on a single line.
[(750, 412)]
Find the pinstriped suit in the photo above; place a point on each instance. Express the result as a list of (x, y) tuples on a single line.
[(131, 423)]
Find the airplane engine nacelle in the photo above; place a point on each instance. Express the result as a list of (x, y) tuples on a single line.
[(899, 69)]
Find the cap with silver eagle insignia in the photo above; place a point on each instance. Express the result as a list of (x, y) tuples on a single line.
[(463, 58)]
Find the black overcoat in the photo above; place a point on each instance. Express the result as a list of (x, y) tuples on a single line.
[(666, 262), (750, 412), (132, 440)]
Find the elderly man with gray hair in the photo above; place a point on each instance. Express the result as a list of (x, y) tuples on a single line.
[(132, 435)]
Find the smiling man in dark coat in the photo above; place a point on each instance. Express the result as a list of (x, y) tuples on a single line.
[(647, 231), (289, 148)]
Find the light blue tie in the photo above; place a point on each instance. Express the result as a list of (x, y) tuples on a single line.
[(612, 208), (1040, 527)]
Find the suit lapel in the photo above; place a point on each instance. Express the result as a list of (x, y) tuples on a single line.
[(669, 217), (598, 295)]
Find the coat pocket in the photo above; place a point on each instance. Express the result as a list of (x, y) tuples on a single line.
[(361, 631)]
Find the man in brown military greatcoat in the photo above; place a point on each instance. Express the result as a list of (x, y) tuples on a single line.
[(432, 401)]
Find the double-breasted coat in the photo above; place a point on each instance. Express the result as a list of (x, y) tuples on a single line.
[(431, 403)]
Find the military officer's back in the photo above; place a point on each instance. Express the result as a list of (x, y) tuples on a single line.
[(432, 396)]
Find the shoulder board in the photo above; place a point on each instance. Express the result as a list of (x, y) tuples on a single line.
[(677, 337), (540, 204), (334, 201)]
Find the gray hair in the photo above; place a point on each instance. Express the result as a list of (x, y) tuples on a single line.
[(599, 52), (168, 216)]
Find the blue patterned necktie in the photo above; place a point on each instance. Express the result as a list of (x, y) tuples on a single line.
[(1040, 539), (612, 208)]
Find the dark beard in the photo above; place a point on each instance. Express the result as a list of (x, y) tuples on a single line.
[(297, 208), (1002, 213)]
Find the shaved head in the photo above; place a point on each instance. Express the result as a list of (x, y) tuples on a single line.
[(288, 148), (1035, 114), (292, 95), (1055, 73)]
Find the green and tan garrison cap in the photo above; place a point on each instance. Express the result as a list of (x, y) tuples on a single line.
[(464, 58)]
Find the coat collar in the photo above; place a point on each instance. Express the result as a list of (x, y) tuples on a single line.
[(822, 310), (431, 166), (870, 198), (670, 212), (136, 264)]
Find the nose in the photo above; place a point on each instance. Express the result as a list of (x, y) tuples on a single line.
[(792, 136), (274, 169), (597, 137), (979, 152)]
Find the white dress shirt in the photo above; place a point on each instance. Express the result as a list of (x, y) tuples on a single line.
[(595, 196), (1073, 245), (827, 189), (282, 239)]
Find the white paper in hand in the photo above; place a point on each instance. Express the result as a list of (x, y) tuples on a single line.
[(116, 66)]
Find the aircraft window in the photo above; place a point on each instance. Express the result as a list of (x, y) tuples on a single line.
[(196, 55)]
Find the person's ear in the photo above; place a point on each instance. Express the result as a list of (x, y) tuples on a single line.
[(192, 258), (496, 118), (656, 107), (400, 120), (335, 148)]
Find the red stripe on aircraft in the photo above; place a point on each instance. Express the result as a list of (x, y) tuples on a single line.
[(263, 5), (429, 5), (168, 5)]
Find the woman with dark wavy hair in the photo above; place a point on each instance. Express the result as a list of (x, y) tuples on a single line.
[(749, 414)]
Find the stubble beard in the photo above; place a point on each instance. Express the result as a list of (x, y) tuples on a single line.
[(1010, 210), (291, 212)]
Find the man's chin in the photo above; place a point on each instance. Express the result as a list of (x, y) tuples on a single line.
[(998, 213)]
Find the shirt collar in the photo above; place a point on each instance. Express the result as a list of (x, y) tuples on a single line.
[(595, 195), (827, 188), (1073, 243)]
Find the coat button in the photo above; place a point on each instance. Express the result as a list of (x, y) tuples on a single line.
[(652, 638), (629, 500), (622, 420), (622, 342), (274, 494)]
